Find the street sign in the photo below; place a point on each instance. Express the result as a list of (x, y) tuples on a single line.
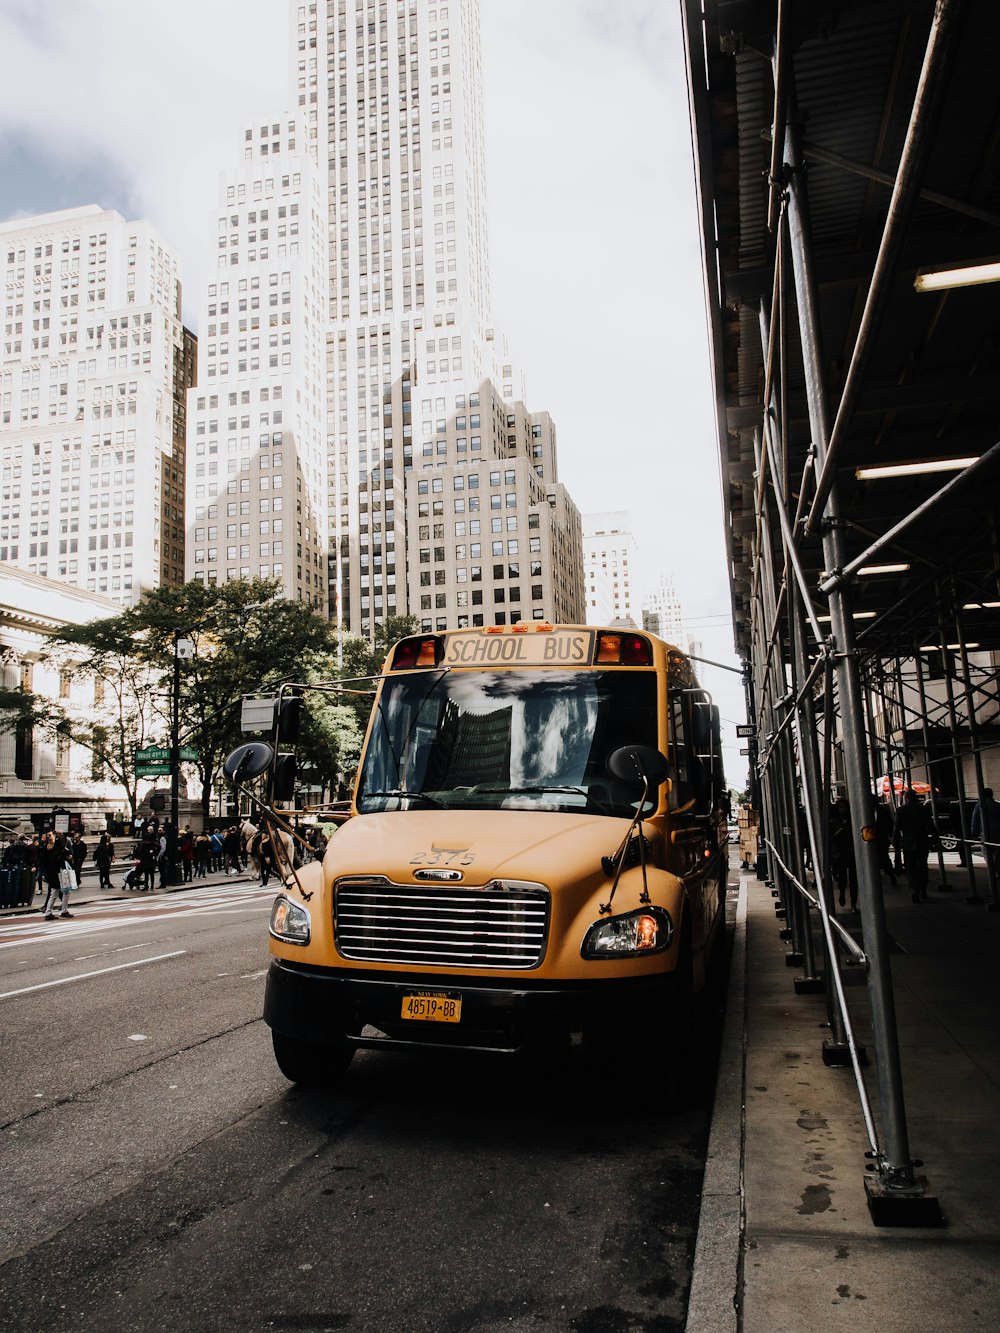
[(745, 750), (154, 760), (745, 729)]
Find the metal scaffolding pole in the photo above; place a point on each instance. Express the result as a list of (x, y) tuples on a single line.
[(977, 759), (956, 755), (925, 733), (894, 1178)]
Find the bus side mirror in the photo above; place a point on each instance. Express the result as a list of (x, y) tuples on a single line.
[(635, 765), (248, 762)]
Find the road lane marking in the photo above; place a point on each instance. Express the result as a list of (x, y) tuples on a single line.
[(122, 948), (92, 924), (102, 971)]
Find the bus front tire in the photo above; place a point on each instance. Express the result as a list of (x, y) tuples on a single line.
[(311, 1064)]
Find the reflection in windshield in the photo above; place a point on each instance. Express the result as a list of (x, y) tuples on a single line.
[(535, 740)]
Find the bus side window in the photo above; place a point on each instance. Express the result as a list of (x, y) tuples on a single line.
[(680, 791), (693, 751)]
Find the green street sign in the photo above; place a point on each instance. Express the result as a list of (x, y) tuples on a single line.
[(154, 760)]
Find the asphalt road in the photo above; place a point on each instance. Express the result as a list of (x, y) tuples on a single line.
[(159, 1172)]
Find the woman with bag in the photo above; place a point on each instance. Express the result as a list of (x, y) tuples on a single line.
[(57, 867)]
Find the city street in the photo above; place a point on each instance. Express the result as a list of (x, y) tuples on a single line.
[(160, 1172)]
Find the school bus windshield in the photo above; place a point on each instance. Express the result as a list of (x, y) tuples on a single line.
[(521, 739)]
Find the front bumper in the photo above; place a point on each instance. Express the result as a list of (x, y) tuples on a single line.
[(323, 1005)]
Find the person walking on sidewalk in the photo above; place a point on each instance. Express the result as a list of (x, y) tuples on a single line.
[(147, 861), (54, 857), (185, 847), (914, 833), (986, 827), (104, 854), (78, 851), (883, 840), (202, 854), (232, 846), (842, 852)]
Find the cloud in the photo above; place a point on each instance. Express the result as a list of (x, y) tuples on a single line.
[(149, 101)]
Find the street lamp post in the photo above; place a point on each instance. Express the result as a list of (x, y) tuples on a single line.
[(183, 648)]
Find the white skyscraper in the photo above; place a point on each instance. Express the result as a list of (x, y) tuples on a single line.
[(663, 614), (610, 553), (94, 371), (257, 453), (391, 97)]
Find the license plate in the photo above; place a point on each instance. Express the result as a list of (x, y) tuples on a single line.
[(432, 1007)]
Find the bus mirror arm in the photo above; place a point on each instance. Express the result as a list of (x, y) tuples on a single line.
[(632, 764), (616, 863)]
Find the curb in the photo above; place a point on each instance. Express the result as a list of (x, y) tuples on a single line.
[(714, 1298)]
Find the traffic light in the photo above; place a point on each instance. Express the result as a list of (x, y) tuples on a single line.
[(283, 780), (289, 713)]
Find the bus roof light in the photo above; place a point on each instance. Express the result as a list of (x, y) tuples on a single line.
[(519, 628), (636, 650), (416, 653), (623, 650), (609, 650)]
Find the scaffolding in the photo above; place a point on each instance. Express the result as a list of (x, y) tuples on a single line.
[(858, 433)]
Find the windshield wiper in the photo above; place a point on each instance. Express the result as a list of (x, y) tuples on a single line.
[(407, 795), (531, 791)]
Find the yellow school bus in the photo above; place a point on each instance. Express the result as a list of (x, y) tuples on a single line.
[(535, 857)]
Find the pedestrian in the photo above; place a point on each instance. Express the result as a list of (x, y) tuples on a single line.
[(32, 859), (104, 854), (986, 827), (162, 856), (215, 838), (913, 833), (202, 854), (55, 858), (883, 840), (78, 851), (232, 848), (147, 861), (842, 863), (185, 847)]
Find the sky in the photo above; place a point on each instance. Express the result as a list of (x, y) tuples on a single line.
[(593, 226)]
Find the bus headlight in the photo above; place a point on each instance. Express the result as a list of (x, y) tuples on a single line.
[(289, 921), (649, 930)]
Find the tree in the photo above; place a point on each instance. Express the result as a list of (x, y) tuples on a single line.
[(244, 640), (362, 657), (127, 689)]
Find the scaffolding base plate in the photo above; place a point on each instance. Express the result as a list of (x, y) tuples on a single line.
[(837, 1054), (809, 985), (780, 913), (784, 934), (902, 1207), (793, 959)]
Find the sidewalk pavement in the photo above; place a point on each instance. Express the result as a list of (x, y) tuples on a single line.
[(786, 1243)]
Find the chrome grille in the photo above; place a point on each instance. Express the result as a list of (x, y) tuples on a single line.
[(377, 921)]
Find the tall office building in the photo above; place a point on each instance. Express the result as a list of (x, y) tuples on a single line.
[(390, 94), (95, 367), (663, 614), (257, 463), (610, 557)]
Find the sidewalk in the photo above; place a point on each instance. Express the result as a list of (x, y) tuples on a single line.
[(786, 1243)]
